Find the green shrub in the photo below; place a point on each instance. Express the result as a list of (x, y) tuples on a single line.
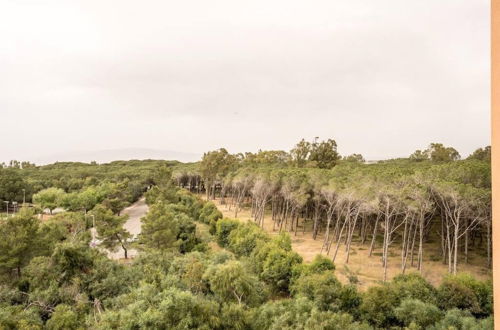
[(189, 269), (418, 313), (221, 257), (209, 212), (378, 305), (18, 317), (231, 282), (414, 286), (462, 320), (333, 321), (224, 229), (147, 308), (298, 314), (277, 268), (63, 318), (244, 238), (234, 316), (327, 292), (319, 265), (467, 293), (193, 203)]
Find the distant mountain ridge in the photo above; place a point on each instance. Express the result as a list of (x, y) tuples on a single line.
[(109, 155)]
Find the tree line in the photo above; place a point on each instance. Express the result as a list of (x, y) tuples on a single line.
[(403, 202)]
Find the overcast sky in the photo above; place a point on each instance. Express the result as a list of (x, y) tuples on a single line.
[(382, 78)]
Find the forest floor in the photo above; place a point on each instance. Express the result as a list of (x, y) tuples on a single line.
[(367, 270)]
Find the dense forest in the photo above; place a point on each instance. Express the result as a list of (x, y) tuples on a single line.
[(199, 270), (432, 195)]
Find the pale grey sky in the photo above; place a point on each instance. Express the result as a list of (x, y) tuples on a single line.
[(383, 77)]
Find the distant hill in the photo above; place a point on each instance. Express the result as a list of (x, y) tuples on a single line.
[(105, 156)]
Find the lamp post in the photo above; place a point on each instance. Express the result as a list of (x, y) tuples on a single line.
[(15, 207)]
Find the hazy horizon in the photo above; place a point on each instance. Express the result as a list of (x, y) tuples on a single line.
[(381, 78)]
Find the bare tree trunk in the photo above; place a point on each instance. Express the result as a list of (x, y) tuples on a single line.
[(296, 224), (413, 244), (374, 235), (315, 221), (448, 242), (444, 240), (420, 244), (327, 233), (364, 224), (455, 252), (126, 251), (351, 235), (338, 241), (466, 246), (385, 248), (403, 245)]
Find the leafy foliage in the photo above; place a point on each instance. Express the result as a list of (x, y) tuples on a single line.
[(52, 278)]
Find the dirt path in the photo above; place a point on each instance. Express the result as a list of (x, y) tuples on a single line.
[(135, 212), (368, 270)]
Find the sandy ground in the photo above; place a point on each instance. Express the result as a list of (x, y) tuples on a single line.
[(135, 212), (368, 270)]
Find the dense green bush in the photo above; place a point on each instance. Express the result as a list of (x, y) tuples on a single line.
[(245, 237), (463, 320), (378, 305), (416, 313), (380, 302), (167, 226), (18, 317), (319, 264), (63, 318), (327, 293), (224, 229), (414, 286), (277, 268), (231, 282), (146, 307), (465, 292), (298, 314), (209, 213), (193, 204)]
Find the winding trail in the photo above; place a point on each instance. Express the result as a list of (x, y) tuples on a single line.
[(135, 212)]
